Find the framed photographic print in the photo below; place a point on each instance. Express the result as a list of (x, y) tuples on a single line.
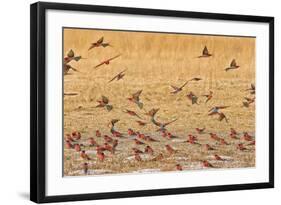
[(129, 102)]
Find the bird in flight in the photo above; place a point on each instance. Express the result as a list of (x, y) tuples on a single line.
[(67, 67), (104, 102), (233, 65), (119, 76), (215, 110), (99, 43), (136, 99), (71, 56), (195, 79), (106, 62), (252, 89), (132, 113), (205, 53), (141, 123), (191, 96), (208, 96), (222, 116), (178, 89)]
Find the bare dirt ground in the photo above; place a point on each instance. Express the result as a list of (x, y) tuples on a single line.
[(154, 62)]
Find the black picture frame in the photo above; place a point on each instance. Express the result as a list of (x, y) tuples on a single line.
[(38, 101)]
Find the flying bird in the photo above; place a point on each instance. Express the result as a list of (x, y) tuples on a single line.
[(106, 62), (233, 66), (119, 76), (195, 79), (98, 43), (215, 110), (132, 113), (71, 56), (222, 116), (104, 102), (252, 89), (67, 68), (141, 123), (135, 98), (178, 89), (205, 53)]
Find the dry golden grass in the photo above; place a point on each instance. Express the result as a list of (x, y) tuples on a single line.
[(154, 62)]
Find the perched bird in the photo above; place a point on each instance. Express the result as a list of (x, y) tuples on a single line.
[(92, 142), (83, 155), (101, 156), (85, 167), (215, 110), (170, 135), (217, 157), (137, 157), (247, 137), (178, 89), (69, 138), (205, 53), (233, 136), (107, 138), (104, 102), (132, 113), (119, 76), (77, 147), (252, 89), (178, 167), (135, 98), (191, 96), (98, 43), (169, 149), (114, 144), (233, 131), (208, 147), (223, 142), (208, 96), (108, 148), (200, 130), (141, 123), (214, 137), (112, 129), (207, 164), (106, 62), (252, 143), (148, 150), (98, 133), (233, 65), (76, 135), (131, 132)]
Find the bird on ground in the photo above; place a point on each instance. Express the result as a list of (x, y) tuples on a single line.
[(68, 144), (99, 43), (135, 98), (98, 133), (108, 148), (85, 167), (137, 151), (77, 147), (241, 147), (112, 128), (207, 164), (132, 113), (76, 135), (101, 156), (137, 142), (223, 142), (233, 66), (107, 138), (200, 130), (92, 142), (208, 96), (191, 96), (106, 62), (148, 150), (69, 138), (252, 142), (233, 136), (119, 76), (83, 155), (216, 109), (205, 53), (104, 102), (217, 157), (131, 132), (141, 123), (138, 157), (178, 167), (158, 157), (208, 147), (252, 89), (247, 137), (233, 131), (169, 149), (178, 89)]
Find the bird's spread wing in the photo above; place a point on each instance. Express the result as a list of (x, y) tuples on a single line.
[(253, 86), (105, 100), (184, 84), (170, 122), (100, 40), (233, 63), (113, 78), (137, 94), (174, 87), (110, 59), (70, 53), (100, 64)]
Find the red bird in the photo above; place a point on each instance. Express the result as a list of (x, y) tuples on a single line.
[(132, 113), (76, 135), (233, 131), (214, 137), (69, 138), (158, 157), (92, 142), (252, 143), (148, 150), (247, 137), (217, 157), (223, 142), (100, 148), (108, 148), (137, 151), (107, 138), (233, 136), (101, 156), (206, 164), (98, 43), (171, 136), (169, 149), (83, 155), (68, 144), (208, 147), (200, 130), (77, 147), (241, 147), (131, 132), (106, 62), (85, 167), (137, 142), (179, 167), (138, 157), (98, 134)]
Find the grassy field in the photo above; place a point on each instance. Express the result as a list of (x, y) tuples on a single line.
[(154, 62)]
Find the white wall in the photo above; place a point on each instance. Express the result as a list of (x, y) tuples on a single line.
[(14, 101)]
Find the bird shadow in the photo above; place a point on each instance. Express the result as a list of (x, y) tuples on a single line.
[(24, 195)]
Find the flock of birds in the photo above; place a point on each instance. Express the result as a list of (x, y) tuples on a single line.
[(73, 140)]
